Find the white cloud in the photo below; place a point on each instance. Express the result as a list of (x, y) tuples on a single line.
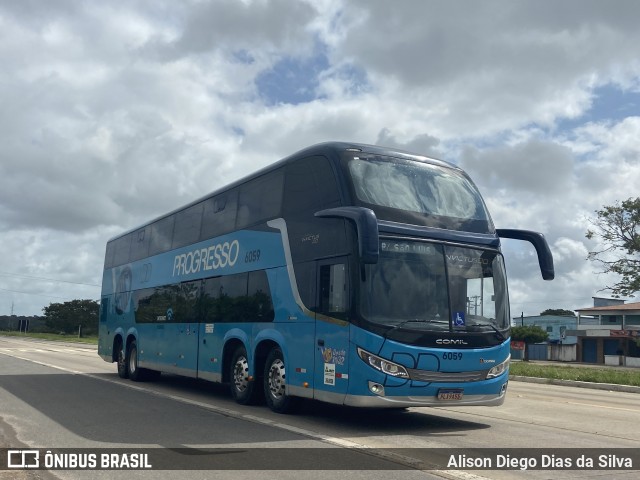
[(115, 114), (533, 167)]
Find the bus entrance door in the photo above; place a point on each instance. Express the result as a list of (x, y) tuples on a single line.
[(332, 332)]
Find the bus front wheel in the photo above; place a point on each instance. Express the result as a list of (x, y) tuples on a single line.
[(274, 383)]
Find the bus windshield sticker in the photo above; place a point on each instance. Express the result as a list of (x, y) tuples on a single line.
[(331, 355), (326, 355), (407, 247), (330, 374), (458, 319)]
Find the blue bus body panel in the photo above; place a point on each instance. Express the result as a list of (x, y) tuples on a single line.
[(175, 345), (320, 354), (199, 261), (399, 391)]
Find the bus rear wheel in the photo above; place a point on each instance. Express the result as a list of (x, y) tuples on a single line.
[(123, 372), (243, 389), (135, 373), (275, 375)]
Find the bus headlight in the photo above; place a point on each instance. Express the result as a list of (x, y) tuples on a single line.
[(499, 369), (385, 366)]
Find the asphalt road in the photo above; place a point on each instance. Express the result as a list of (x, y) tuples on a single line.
[(64, 395)]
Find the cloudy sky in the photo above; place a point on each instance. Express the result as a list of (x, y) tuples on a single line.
[(112, 113)]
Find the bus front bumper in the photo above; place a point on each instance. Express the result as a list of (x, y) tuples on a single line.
[(379, 401)]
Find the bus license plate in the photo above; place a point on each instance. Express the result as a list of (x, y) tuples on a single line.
[(450, 394)]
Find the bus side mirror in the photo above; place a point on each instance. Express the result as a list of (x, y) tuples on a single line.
[(545, 259), (366, 225)]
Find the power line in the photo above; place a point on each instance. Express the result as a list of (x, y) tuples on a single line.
[(7, 274), (30, 293)]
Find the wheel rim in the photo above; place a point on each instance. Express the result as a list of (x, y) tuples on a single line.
[(241, 374), (133, 361), (276, 378)]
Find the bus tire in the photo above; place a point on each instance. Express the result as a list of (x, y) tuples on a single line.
[(123, 372), (243, 389), (275, 384), (135, 372)]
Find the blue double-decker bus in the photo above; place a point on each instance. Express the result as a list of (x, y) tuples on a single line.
[(346, 273)]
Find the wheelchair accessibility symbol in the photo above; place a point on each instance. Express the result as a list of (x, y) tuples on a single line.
[(458, 319)]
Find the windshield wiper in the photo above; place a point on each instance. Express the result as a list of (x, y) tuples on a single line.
[(423, 320), (416, 320), (492, 326)]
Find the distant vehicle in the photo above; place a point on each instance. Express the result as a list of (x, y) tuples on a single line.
[(346, 273)]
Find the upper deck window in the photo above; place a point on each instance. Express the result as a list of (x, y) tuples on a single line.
[(418, 193)]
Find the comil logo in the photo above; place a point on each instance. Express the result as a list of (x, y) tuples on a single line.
[(450, 341), (23, 459)]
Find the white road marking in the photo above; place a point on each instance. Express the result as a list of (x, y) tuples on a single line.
[(604, 406), (336, 441)]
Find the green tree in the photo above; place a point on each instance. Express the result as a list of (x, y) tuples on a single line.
[(559, 312), (66, 317), (618, 227), (529, 334)]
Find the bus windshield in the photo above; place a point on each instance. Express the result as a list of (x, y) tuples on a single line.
[(418, 193), (429, 286)]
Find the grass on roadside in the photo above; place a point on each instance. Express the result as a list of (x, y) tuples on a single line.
[(582, 374), (525, 369), (53, 337)]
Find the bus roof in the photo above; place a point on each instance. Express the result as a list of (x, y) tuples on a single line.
[(331, 150)]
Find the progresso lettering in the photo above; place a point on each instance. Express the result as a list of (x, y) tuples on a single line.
[(214, 257)]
